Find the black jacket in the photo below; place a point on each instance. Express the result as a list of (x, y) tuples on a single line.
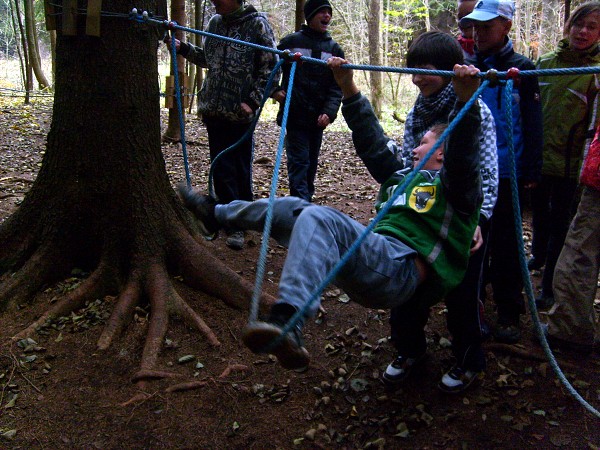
[(314, 91)]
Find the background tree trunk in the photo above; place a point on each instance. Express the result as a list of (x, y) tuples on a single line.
[(199, 16), (102, 201), (550, 21), (25, 64), (32, 45), (173, 132), (375, 55), (299, 16)]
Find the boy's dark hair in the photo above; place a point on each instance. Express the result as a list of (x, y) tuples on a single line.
[(441, 50), (438, 129), (580, 12)]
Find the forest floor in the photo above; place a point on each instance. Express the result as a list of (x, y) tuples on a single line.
[(59, 391)]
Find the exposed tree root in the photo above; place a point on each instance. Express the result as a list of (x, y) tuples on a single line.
[(92, 287), (531, 354), (191, 317), (139, 397), (144, 375), (122, 312), (45, 266), (157, 280), (143, 264), (186, 386), (215, 282)]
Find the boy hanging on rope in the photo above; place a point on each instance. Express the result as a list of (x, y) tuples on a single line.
[(417, 252), (435, 50)]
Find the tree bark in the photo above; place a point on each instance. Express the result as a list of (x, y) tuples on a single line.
[(375, 55), (173, 132), (102, 200), (199, 16), (299, 16), (32, 45), (25, 64)]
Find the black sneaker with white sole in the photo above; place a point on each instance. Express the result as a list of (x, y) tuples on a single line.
[(400, 368), (458, 379)]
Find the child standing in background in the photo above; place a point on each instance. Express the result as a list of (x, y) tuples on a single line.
[(570, 108), (316, 97), (465, 37), (492, 22)]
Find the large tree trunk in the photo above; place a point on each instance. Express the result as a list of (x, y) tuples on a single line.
[(102, 199)]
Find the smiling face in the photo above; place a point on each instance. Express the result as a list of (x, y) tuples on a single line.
[(418, 153), (489, 36), (320, 21), (585, 32), (429, 84)]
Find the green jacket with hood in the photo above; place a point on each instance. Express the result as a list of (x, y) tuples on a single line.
[(570, 109)]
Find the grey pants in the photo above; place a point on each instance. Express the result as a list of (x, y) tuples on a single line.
[(381, 273), (572, 318)]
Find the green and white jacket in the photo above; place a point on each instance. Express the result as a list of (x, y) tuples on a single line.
[(439, 210)]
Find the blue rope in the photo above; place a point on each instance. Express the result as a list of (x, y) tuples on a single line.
[(260, 271), (405, 70), (180, 111), (522, 258)]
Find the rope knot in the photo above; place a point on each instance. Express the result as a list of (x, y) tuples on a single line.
[(171, 25), (492, 76), (514, 74), (292, 57)]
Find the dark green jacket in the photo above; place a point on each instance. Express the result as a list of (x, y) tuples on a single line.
[(570, 109)]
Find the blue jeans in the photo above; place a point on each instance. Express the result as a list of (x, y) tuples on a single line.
[(381, 273), (302, 148)]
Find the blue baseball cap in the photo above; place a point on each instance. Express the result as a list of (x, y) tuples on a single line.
[(488, 10)]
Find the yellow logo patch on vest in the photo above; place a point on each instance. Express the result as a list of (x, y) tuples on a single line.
[(422, 198)]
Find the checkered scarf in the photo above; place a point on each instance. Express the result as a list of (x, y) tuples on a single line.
[(426, 112)]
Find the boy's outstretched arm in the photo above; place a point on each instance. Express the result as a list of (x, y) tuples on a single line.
[(460, 172), (375, 149)]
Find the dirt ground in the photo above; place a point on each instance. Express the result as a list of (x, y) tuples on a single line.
[(59, 391)]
